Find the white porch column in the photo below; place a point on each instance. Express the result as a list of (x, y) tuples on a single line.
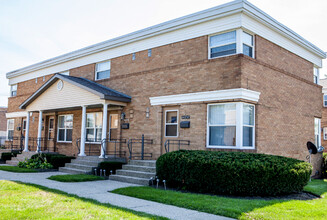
[(104, 130), (39, 132), (83, 132), (27, 131)]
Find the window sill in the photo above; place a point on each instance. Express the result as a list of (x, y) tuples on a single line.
[(231, 147), (65, 142), (92, 142)]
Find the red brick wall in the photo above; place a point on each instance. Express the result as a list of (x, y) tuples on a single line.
[(3, 121)]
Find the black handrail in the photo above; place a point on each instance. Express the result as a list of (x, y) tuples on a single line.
[(141, 141), (175, 142), (115, 141), (78, 141)]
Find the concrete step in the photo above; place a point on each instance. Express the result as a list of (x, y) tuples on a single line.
[(72, 170), (85, 162), (139, 168), (80, 167), (99, 160), (128, 179), (138, 174), (147, 163), (12, 162)]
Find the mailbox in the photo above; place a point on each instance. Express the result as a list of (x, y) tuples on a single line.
[(185, 124), (125, 126)]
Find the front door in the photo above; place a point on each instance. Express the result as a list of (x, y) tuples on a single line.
[(170, 128), (113, 147)]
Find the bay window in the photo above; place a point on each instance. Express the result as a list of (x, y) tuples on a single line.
[(94, 127), (230, 43), (65, 128), (230, 125)]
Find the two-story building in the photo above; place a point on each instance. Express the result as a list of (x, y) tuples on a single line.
[(227, 78)]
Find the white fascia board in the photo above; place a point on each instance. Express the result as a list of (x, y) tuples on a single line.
[(217, 95), (16, 114)]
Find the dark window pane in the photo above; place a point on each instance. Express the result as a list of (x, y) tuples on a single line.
[(61, 135), (223, 50), (247, 136), (69, 135), (90, 134), (98, 134), (51, 123), (222, 135), (171, 130), (247, 50), (103, 74), (10, 134)]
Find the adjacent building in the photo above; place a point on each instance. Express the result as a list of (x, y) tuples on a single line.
[(228, 78)]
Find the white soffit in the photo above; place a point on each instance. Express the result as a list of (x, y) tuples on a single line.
[(217, 95), (16, 114)]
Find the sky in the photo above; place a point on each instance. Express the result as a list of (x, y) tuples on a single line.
[(34, 30)]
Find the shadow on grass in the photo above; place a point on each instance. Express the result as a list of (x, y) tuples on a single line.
[(92, 201)]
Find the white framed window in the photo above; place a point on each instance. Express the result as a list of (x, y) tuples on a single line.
[(325, 100), (102, 70), (325, 133), (171, 123), (94, 127), (317, 132), (149, 52), (65, 128), (13, 90), (316, 75), (10, 128), (51, 127), (229, 43), (113, 125), (231, 125)]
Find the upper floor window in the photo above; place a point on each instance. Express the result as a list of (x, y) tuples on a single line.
[(13, 90), (230, 43), (316, 75), (325, 100), (102, 70)]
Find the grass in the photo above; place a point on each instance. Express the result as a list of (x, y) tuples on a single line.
[(17, 169), (75, 178), (238, 207), (29, 201)]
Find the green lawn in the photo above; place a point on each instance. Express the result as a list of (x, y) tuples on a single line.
[(237, 207), (28, 201), (75, 178), (17, 169)]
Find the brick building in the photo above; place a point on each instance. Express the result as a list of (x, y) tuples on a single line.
[(323, 83), (227, 78), (3, 125)]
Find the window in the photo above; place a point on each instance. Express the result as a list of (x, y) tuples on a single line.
[(171, 123), (133, 56), (113, 125), (13, 90), (247, 44), (325, 100), (102, 70), (230, 43), (10, 128), (65, 128), (316, 75), (149, 52), (223, 44), (231, 125), (50, 131), (325, 133), (317, 132), (94, 127)]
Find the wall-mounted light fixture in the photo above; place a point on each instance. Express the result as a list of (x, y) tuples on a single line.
[(147, 112), (122, 116)]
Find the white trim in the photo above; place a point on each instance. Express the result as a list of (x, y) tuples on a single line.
[(190, 26), (96, 70), (217, 95), (171, 110), (16, 114), (13, 129), (325, 131)]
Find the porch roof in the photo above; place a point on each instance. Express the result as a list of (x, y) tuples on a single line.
[(97, 89)]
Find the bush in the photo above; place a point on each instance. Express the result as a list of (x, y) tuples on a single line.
[(56, 160), (324, 165), (37, 163), (109, 165), (233, 173), (8, 155)]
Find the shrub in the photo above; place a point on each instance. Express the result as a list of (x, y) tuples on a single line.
[(109, 165), (8, 155), (37, 163), (324, 165), (56, 160), (233, 173)]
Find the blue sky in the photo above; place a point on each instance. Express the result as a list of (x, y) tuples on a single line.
[(35, 30)]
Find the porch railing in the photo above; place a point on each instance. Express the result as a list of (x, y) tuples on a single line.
[(140, 153), (179, 143), (110, 147), (44, 144)]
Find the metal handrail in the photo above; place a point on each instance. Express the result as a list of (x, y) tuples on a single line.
[(78, 141), (175, 142), (142, 141), (116, 141)]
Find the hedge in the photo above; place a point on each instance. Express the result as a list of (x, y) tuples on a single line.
[(56, 160), (8, 155), (324, 165), (233, 173), (109, 165)]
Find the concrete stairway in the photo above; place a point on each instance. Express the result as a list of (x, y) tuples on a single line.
[(136, 171), (20, 157), (85, 165)]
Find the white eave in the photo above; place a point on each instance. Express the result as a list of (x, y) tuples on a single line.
[(224, 10)]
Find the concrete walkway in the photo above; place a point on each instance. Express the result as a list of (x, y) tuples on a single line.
[(98, 190)]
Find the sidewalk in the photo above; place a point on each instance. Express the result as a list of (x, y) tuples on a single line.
[(98, 190)]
